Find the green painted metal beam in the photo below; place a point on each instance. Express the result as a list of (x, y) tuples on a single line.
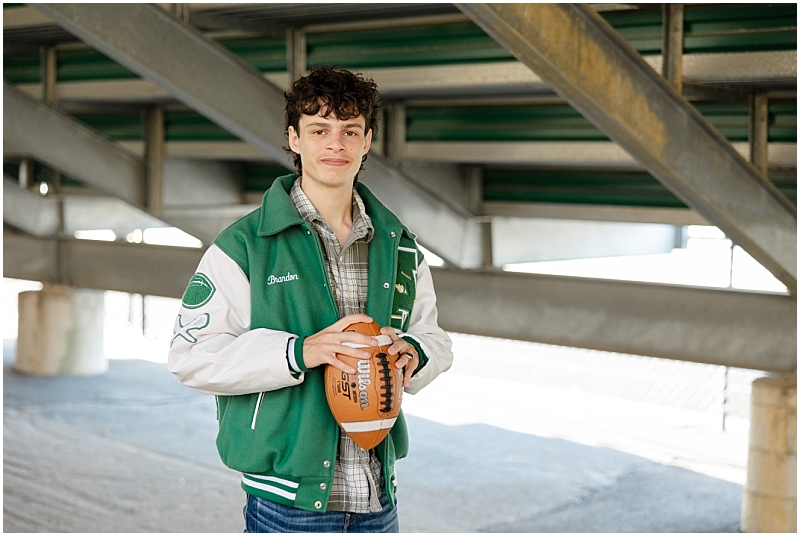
[(708, 29), (595, 187), (561, 122), (550, 122)]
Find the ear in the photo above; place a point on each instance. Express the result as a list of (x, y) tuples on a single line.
[(294, 140), (367, 142)]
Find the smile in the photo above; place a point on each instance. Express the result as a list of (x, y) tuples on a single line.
[(335, 161)]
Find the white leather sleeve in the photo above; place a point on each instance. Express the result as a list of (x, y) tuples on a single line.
[(424, 329), (213, 349)]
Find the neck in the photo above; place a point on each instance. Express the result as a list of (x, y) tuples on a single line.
[(334, 203)]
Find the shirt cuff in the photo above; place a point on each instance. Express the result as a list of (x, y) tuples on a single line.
[(294, 354)]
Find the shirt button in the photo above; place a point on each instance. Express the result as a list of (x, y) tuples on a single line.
[(323, 486), (326, 463), (393, 234), (318, 505), (386, 285)]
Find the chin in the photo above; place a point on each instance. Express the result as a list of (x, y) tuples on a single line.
[(338, 179)]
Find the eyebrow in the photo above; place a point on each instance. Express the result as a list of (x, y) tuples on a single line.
[(346, 125)]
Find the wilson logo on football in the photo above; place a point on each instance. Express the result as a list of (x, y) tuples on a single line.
[(363, 382)]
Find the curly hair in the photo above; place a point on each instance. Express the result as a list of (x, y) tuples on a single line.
[(341, 92)]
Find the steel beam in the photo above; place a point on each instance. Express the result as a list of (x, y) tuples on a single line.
[(49, 75), (604, 78), (437, 225), (207, 221), (499, 78), (24, 17), (732, 328), (561, 239), (758, 132), (137, 268), (29, 211), (296, 49), (618, 213), (217, 84), (154, 154), (196, 71), (672, 45), (70, 147), (583, 154)]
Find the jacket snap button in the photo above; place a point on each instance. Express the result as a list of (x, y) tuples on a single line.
[(393, 234), (318, 505), (326, 463), (322, 486), (386, 285)]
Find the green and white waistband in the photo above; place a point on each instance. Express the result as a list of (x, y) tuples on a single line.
[(270, 484)]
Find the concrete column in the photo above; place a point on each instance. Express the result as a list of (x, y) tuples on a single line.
[(770, 495), (61, 332)]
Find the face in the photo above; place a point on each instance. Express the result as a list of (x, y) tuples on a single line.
[(330, 149)]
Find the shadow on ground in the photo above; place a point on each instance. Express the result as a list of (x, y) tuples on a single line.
[(133, 450)]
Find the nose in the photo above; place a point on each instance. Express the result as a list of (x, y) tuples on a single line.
[(335, 143)]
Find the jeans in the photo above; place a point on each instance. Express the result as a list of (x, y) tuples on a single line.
[(261, 515)]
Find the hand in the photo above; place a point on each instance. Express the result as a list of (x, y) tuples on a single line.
[(408, 354), (322, 347)]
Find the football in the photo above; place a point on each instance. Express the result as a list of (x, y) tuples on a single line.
[(366, 404)]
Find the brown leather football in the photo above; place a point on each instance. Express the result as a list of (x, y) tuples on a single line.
[(366, 404)]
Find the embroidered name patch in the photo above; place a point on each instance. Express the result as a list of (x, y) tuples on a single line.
[(199, 291), (271, 280)]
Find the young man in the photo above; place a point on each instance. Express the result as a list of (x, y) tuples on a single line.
[(265, 312)]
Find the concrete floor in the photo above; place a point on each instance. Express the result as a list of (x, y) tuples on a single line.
[(133, 451)]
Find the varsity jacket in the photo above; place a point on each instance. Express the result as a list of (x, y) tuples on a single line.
[(263, 285)]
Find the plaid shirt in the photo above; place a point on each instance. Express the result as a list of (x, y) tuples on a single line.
[(357, 477)]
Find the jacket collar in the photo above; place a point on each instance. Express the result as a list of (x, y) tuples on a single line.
[(278, 212)]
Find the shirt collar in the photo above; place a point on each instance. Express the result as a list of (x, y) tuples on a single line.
[(362, 224)]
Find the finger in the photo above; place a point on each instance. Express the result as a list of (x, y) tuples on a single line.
[(345, 321), (341, 365), (354, 351), (403, 359), (407, 361), (390, 332), (399, 347), (347, 338), (409, 371), (354, 338)]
